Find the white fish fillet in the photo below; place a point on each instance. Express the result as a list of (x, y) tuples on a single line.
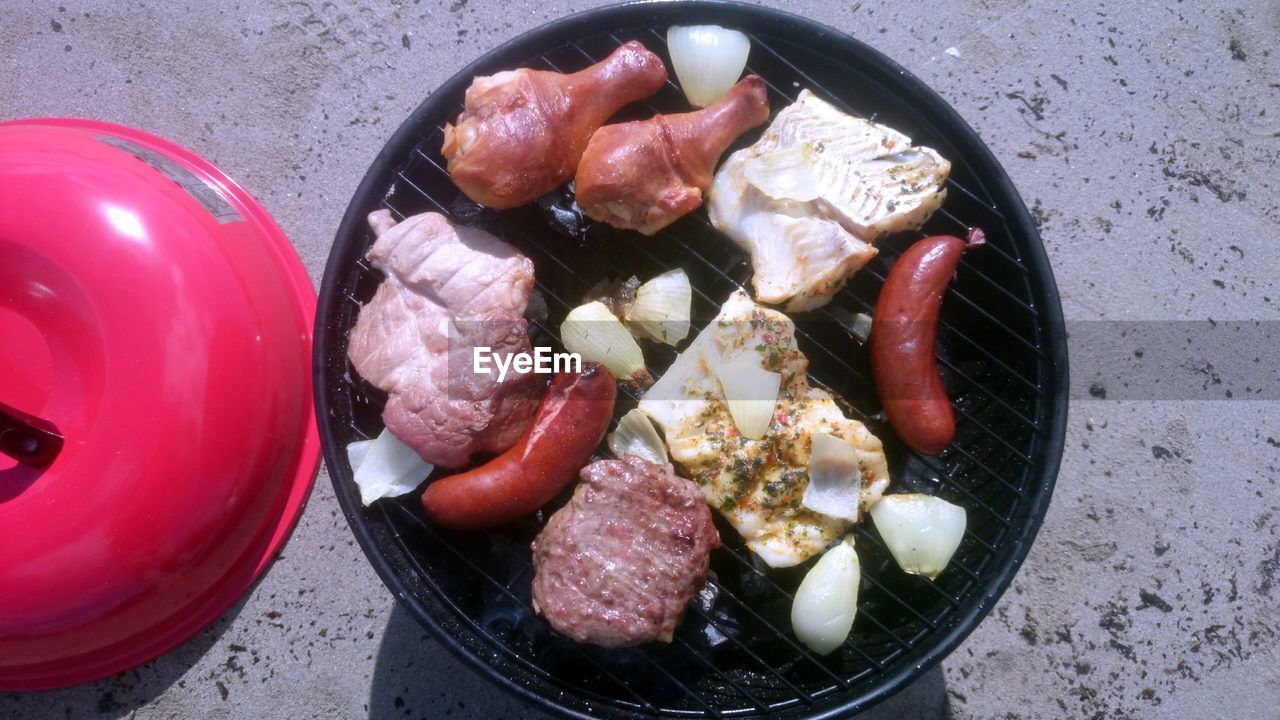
[(811, 195), (758, 484)]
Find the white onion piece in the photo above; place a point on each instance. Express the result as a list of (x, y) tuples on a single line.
[(784, 174), (862, 326), (389, 469), (827, 600), (708, 60), (357, 452), (858, 325), (751, 392), (597, 335), (636, 435), (922, 532), (661, 308), (835, 478)]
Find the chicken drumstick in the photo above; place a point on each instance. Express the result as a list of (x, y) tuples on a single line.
[(644, 175), (522, 132)]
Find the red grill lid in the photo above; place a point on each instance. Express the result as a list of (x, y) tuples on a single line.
[(154, 316)]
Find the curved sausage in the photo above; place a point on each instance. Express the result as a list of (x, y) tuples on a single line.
[(904, 330), (568, 426)]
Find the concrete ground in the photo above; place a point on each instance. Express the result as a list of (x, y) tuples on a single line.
[(1144, 135)]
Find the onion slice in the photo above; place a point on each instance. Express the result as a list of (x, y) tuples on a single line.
[(661, 308), (861, 327), (636, 435), (922, 532), (708, 60), (357, 452), (784, 174), (827, 600), (858, 325), (835, 478), (597, 335), (389, 468), (751, 392)]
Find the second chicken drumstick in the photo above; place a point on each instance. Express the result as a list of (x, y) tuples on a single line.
[(645, 175)]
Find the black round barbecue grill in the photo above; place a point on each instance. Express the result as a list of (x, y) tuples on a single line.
[(1002, 350)]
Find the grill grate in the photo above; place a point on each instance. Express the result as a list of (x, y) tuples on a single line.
[(1001, 348)]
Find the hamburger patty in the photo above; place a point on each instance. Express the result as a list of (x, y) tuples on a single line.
[(619, 563)]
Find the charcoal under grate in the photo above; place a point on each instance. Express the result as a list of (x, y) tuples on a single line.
[(1001, 350)]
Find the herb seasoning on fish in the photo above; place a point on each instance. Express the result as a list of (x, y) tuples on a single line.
[(758, 484)]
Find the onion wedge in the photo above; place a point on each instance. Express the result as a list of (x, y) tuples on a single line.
[(636, 435), (597, 335), (661, 308), (708, 60), (827, 600), (835, 478), (751, 392), (922, 532), (389, 468)]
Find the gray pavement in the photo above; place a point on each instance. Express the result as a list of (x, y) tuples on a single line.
[(1145, 137)]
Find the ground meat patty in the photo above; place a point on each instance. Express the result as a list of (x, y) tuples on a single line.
[(619, 563)]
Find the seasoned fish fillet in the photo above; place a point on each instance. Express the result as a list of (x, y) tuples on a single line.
[(811, 195), (757, 484)]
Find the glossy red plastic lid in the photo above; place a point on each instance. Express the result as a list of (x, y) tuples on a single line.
[(154, 314)]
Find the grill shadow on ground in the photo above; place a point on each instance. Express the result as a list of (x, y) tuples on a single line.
[(415, 677)]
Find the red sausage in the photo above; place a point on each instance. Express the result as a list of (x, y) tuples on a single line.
[(569, 424), (904, 330)]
